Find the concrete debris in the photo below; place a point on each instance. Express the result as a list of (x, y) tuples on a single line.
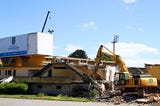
[(117, 100), (154, 98), (151, 99), (143, 100), (132, 98)]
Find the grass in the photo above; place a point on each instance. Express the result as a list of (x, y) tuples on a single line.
[(44, 97)]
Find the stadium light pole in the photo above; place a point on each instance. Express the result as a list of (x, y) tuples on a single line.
[(115, 40)]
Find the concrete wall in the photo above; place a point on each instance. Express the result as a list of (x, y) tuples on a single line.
[(55, 89), (63, 72), (105, 73), (153, 69), (16, 71), (110, 71)]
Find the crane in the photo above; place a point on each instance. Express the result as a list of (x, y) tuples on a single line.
[(45, 21)]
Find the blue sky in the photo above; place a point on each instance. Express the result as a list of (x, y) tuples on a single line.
[(85, 24)]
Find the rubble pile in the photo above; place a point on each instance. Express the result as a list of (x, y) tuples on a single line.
[(151, 98), (122, 99), (132, 98)]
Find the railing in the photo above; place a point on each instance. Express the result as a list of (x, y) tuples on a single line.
[(44, 79), (79, 61)]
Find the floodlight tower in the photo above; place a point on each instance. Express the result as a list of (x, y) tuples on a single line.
[(115, 40)]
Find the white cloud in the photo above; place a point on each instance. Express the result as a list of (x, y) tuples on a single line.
[(136, 54), (129, 27), (90, 25), (134, 28), (134, 49), (130, 8), (130, 5), (129, 1), (71, 48), (140, 62)]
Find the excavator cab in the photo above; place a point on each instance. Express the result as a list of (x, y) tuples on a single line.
[(121, 78)]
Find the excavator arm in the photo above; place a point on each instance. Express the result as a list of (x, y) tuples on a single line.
[(103, 51)]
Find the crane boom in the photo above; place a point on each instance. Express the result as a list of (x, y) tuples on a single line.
[(45, 21)]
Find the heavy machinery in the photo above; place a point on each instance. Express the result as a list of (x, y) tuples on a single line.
[(124, 80)]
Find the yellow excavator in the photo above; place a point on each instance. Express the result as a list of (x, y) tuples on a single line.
[(124, 80)]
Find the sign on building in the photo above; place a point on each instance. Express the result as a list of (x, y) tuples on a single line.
[(27, 44)]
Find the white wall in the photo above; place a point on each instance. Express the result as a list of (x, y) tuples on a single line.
[(10, 48), (27, 44), (110, 71), (45, 44)]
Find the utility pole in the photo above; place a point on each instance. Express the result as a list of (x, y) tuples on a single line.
[(115, 40)]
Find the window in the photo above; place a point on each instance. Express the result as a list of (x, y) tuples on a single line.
[(8, 72), (122, 77), (14, 72), (58, 87), (83, 61), (13, 40), (39, 86), (60, 68)]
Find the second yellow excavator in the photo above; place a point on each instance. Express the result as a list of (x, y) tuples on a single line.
[(123, 79)]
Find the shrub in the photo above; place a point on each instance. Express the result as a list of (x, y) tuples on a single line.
[(93, 93), (59, 95), (13, 88), (41, 94)]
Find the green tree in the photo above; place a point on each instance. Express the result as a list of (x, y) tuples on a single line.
[(105, 58), (78, 54)]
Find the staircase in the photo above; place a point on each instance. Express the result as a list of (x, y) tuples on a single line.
[(8, 79), (78, 72), (43, 70), (85, 77), (71, 67)]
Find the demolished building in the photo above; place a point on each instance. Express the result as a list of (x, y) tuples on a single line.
[(28, 58), (67, 76)]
